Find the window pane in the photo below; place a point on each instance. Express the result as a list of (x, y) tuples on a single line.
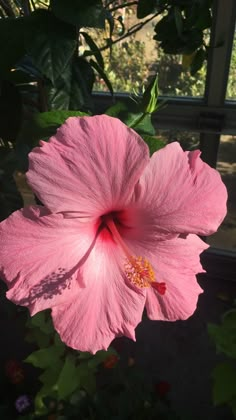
[(225, 238), (132, 61), (231, 87)]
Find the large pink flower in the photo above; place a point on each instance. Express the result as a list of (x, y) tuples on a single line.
[(117, 232)]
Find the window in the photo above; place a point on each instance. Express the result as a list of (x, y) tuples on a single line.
[(225, 238)]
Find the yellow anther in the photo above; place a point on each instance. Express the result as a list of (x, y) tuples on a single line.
[(139, 271)]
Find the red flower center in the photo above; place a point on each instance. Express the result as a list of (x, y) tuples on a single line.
[(138, 269)]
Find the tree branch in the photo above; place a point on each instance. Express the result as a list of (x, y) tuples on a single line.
[(6, 7), (32, 4), (135, 28), (26, 7)]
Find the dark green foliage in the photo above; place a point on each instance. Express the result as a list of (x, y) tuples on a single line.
[(145, 7), (177, 38), (181, 29), (101, 72), (10, 120), (72, 89), (12, 46), (80, 13), (198, 60), (224, 374), (10, 110), (50, 42), (93, 49)]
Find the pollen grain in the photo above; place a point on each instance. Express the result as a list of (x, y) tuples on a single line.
[(139, 271)]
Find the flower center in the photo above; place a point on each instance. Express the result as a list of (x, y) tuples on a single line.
[(138, 269)]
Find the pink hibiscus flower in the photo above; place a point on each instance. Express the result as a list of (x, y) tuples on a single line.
[(117, 232)]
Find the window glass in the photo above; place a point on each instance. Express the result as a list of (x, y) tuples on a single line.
[(225, 238), (231, 87), (132, 61)]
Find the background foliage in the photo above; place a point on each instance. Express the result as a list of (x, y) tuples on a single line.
[(224, 374)]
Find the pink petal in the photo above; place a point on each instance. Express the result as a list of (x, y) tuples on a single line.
[(89, 167), (106, 308), (176, 263), (40, 256), (181, 194)]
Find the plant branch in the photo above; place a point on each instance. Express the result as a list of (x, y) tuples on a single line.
[(26, 7), (32, 4), (6, 7), (135, 28), (121, 6), (43, 4)]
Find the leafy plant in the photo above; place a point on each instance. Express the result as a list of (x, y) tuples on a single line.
[(224, 374), (96, 386)]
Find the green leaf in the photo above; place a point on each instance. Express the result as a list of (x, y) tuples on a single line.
[(115, 110), (38, 337), (81, 85), (102, 74), (203, 16), (72, 89), (229, 318), (42, 320), (165, 28), (154, 143), (88, 380), (51, 375), (84, 355), (100, 357), (140, 122), (48, 122), (69, 379), (81, 14), (178, 20), (150, 97), (224, 388), (94, 49), (224, 336), (145, 8), (44, 358), (50, 42), (49, 379), (171, 42), (136, 119), (198, 61), (45, 392)]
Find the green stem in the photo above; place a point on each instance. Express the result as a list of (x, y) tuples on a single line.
[(138, 120)]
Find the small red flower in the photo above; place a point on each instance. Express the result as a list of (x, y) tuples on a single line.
[(110, 361), (14, 371), (162, 388)]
